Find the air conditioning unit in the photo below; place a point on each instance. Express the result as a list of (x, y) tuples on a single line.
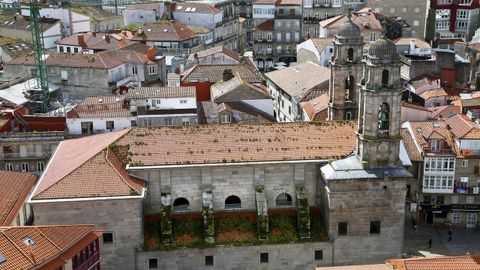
[(476, 190)]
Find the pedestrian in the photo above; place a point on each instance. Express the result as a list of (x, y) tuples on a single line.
[(414, 224), (449, 235), (430, 243)]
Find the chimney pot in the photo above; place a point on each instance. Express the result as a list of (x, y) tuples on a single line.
[(107, 38), (227, 75)]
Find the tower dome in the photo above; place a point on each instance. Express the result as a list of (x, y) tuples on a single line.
[(383, 48), (349, 29)]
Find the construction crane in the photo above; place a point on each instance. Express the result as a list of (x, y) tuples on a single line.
[(42, 96)]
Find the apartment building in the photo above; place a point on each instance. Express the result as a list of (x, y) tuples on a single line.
[(412, 11), (445, 154), (277, 30), (315, 11), (143, 13), (449, 21)]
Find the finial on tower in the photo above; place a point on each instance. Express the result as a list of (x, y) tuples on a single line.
[(349, 14)]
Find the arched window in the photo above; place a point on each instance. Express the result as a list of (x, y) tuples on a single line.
[(385, 77), (384, 120), (233, 202), (350, 54), (180, 204), (350, 88), (284, 199)]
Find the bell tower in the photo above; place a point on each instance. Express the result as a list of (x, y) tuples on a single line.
[(378, 132), (346, 71)]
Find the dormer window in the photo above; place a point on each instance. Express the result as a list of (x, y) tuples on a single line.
[(436, 145), (225, 119)]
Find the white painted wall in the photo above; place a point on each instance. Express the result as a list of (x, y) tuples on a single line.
[(409, 114), (470, 145), (283, 113), (99, 124), (138, 16), (51, 35), (173, 103), (264, 105), (79, 23)]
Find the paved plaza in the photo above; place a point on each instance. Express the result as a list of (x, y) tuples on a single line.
[(416, 241)]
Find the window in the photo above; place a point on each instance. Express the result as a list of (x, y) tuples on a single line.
[(350, 54), (416, 10), (9, 167), (416, 23), (152, 264), (183, 101), (385, 77), (404, 10), (185, 122), (61, 49), (40, 166), (225, 118), (284, 199), (470, 200), (168, 122), (134, 70), (350, 88), (440, 164), (375, 227), (318, 255), (454, 199), (464, 2), (465, 163), (384, 120), (233, 202), (193, 79), (373, 36), (392, 10), (68, 50), (438, 182), (435, 144), (463, 13), (108, 238), (289, 109), (180, 204), (64, 75), (209, 260), (110, 125), (263, 257), (206, 78), (75, 50), (456, 218), (152, 69), (133, 123), (87, 128), (343, 228), (25, 167)]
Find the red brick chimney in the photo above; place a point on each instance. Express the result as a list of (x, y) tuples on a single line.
[(151, 53), (107, 38), (81, 40)]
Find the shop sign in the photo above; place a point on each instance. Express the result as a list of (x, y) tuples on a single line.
[(466, 207)]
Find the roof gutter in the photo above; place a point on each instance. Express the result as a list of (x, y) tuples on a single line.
[(129, 167)]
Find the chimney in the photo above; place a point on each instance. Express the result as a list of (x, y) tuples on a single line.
[(94, 34), (227, 75), (81, 40), (151, 53), (412, 45), (107, 38), (15, 17)]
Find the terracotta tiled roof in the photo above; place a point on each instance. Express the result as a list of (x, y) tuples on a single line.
[(415, 106), (245, 113), (72, 171), (419, 43), (96, 41), (413, 153), (321, 43), (264, 2), (299, 80), (288, 2), (445, 111), (363, 18), (266, 25), (51, 243), (161, 92), (439, 92), (199, 8), (421, 131), (462, 128), (314, 107), (240, 143), (212, 51), (101, 107), (165, 31), (358, 267), (237, 89), (14, 190), (215, 72), (466, 262)]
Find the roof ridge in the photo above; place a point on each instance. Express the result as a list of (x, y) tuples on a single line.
[(48, 239), (115, 169)]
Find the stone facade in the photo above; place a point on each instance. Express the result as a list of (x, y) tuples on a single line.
[(122, 217), (288, 256)]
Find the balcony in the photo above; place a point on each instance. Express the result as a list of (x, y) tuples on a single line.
[(90, 262), (438, 152), (26, 155), (458, 189)]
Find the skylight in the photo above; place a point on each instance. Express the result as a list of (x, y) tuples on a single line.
[(437, 125), (179, 7), (28, 241), (194, 9), (2, 258), (188, 9)]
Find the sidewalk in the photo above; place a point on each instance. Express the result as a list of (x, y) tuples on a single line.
[(416, 241)]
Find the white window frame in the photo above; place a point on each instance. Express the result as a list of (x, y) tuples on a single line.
[(465, 163), (168, 122), (454, 199), (134, 70), (152, 69), (470, 200), (9, 167), (25, 167), (225, 118)]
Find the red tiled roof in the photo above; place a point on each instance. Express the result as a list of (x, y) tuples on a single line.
[(266, 25), (212, 51), (415, 106), (96, 41), (315, 106), (466, 262), (200, 8), (240, 143), (72, 171), (165, 31), (445, 111), (433, 93), (412, 151), (50, 245), (14, 190), (101, 107)]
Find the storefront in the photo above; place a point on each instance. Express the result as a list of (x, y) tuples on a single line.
[(465, 215), (433, 214)]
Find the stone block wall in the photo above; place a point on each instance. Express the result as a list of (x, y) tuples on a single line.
[(121, 217), (359, 202), (229, 180), (288, 256)]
